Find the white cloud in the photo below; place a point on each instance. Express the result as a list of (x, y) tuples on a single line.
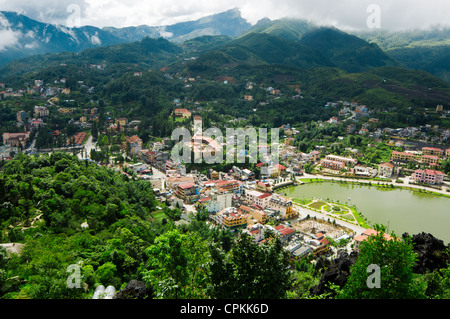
[(95, 39), (395, 14), (8, 38)]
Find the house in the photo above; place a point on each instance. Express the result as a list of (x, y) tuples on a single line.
[(333, 120), (281, 169), (351, 128), (428, 176), (284, 233), (172, 182), (37, 123), (248, 97), (135, 143), (122, 121), (182, 113), (362, 170), (301, 251), (263, 187), (386, 169), (40, 111), (77, 139), (367, 233), (289, 141)]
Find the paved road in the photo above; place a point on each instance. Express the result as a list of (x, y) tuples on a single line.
[(88, 146), (405, 182)]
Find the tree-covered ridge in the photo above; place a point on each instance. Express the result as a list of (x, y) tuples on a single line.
[(70, 212), (67, 192)]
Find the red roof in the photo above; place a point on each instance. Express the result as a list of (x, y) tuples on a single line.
[(279, 166), (186, 185), (287, 231), (265, 195), (429, 172)]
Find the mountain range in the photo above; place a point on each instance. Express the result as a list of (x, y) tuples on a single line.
[(222, 39), (21, 36)]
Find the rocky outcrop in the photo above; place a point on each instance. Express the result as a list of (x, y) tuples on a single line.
[(134, 290), (336, 273), (431, 253)]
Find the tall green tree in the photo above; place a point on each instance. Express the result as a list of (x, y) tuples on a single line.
[(250, 270), (176, 266), (384, 269)]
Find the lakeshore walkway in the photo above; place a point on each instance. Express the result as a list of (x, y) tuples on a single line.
[(405, 183)]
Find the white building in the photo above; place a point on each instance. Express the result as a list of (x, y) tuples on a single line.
[(257, 198)]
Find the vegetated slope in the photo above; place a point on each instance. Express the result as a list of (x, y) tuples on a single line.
[(289, 29), (149, 53), (256, 49), (346, 51), (434, 59)]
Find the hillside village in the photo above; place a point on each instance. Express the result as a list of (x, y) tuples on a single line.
[(241, 198)]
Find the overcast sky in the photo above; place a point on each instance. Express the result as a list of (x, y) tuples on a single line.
[(346, 14)]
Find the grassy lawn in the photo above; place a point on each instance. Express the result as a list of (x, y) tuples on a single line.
[(301, 201), (310, 180), (348, 217), (158, 215), (359, 219), (317, 205)]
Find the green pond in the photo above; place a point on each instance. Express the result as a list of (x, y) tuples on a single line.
[(400, 209)]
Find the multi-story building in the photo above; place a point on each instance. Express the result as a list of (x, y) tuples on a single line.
[(223, 186), (258, 198), (402, 156), (428, 176), (231, 217), (430, 160), (282, 204), (187, 192), (432, 151), (257, 214), (334, 165), (386, 169), (215, 202), (346, 160)]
